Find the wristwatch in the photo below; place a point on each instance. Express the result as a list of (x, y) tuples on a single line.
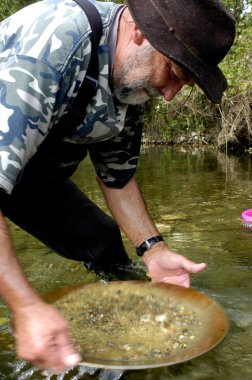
[(147, 244)]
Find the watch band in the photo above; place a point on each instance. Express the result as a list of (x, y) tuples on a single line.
[(147, 244)]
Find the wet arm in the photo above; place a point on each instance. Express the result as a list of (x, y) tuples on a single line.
[(130, 212), (15, 289), (41, 332)]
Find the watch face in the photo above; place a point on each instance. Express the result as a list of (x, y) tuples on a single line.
[(143, 248), (146, 245)]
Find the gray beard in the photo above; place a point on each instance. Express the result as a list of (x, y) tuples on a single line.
[(136, 92)]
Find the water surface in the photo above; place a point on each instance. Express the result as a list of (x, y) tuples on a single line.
[(196, 198)]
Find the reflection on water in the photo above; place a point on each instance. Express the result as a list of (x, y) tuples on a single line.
[(196, 198)]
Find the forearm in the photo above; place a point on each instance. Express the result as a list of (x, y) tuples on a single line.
[(130, 212), (41, 333), (15, 289)]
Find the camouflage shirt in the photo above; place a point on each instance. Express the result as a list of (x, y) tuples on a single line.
[(44, 54)]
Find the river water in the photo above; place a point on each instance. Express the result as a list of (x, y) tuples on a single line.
[(196, 198)]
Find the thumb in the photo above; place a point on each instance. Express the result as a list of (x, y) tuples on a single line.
[(72, 359), (69, 356), (190, 266)]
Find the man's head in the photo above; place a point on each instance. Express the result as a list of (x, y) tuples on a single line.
[(194, 34), (141, 72)]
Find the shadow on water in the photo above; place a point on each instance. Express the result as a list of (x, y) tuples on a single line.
[(196, 199)]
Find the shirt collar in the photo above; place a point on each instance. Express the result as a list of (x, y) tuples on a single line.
[(112, 36)]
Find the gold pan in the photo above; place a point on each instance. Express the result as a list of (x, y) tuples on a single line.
[(140, 324)]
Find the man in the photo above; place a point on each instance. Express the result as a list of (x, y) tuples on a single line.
[(150, 48)]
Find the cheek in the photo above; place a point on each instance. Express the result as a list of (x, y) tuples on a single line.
[(160, 70), (161, 78)]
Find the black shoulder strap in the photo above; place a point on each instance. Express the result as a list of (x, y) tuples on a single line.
[(95, 22), (88, 89)]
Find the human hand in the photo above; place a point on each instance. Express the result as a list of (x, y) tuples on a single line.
[(169, 267), (42, 337)]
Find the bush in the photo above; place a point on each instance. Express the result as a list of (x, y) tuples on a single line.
[(9, 7), (228, 126), (236, 112)]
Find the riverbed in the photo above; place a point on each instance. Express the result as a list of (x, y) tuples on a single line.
[(196, 198)]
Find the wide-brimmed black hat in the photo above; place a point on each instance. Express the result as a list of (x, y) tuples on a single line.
[(195, 34)]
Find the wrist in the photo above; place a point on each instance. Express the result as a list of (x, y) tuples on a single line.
[(146, 245), (155, 255), (26, 301)]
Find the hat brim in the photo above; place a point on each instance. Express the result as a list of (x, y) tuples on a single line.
[(209, 78)]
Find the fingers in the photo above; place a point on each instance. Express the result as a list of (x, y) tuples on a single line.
[(53, 359), (42, 338), (172, 268), (61, 354), (66, 351), (182, 280)]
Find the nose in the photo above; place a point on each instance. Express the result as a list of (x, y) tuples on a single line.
[(171, 90)]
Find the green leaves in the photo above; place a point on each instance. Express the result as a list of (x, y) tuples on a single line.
[(8, 7)]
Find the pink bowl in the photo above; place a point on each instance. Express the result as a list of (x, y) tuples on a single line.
[(247, 216)]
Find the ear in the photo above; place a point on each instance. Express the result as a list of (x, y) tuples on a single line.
[(137, 36)]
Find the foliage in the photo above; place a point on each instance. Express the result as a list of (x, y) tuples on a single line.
[(238, 7), (236, 112), (228, 126), (7, 7)]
